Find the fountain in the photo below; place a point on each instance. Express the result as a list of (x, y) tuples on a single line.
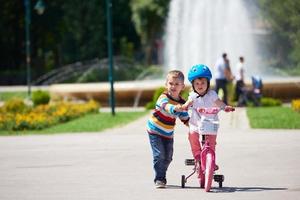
[(199, 31)]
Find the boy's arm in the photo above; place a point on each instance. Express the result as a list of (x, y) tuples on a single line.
[(163, 103), (184, 117)]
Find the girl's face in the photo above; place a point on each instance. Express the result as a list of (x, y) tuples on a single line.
[(200, 85), (174, 87)]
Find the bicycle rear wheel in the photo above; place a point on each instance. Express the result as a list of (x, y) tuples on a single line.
[(209, 170)]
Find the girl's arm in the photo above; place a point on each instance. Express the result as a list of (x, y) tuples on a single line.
[(219, 103), (189, 102)]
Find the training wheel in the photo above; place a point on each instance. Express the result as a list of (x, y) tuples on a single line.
[(220, 184), (183, 181), (219, 178)]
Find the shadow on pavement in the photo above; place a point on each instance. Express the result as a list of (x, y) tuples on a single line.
[(245, 189), (230, 189), (179, 187)]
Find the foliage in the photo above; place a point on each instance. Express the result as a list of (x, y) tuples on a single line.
[(40, 97), (93, 122), (126, 48), (43, 116), (284, 20), (68, 31), (268, 102), (151, 73), (149, 18), (157, 93), (81, 24), (273, 117), (296, 105), (124, 70), (14, 105)]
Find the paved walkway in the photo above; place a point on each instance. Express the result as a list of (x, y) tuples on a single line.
[(116, 164)]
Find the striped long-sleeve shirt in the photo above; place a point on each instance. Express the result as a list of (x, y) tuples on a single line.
[(163, 118)]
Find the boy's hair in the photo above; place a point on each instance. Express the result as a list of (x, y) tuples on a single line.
[(224, 55), (176, 74)]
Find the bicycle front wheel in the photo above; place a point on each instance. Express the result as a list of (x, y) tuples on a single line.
[(209, 170)]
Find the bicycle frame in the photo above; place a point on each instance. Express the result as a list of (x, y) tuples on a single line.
[(207, 164), (201, 167), (205, 150)]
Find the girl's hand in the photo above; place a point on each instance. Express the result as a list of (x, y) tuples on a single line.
[(229, 109), (192, 96)]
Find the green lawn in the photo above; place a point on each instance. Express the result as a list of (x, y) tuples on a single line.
[(89, 123), (273, 117), (4, 96)]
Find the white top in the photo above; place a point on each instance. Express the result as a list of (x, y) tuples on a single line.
[(239, 71), (220, 69), (206, 101)]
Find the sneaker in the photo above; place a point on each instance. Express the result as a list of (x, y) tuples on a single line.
[(160, 184)]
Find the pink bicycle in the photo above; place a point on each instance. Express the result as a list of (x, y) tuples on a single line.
[(206, 166)]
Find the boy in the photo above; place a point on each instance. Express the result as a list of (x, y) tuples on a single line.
[(160, 126)]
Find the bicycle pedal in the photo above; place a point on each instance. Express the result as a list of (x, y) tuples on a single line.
[(189, 162), (219, 178)]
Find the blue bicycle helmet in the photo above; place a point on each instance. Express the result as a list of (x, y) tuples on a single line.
[(199, 71)]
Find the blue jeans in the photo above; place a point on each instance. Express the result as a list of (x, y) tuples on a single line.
[(162, 150)]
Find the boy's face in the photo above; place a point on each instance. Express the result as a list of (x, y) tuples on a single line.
[(200, 85), (174, 86)]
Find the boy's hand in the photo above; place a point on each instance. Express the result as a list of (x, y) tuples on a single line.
[(229, 109), (178, 108), (187, 104)]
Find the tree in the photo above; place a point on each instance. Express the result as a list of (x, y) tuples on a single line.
[(11, 38), (67, 32), (284, 18), (149, 19)]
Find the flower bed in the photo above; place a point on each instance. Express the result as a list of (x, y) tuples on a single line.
[(42, 116), (296, 105)]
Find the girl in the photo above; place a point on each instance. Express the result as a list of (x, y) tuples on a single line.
[(201, 97)]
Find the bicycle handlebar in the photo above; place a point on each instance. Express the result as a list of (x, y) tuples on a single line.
[(214, 110)]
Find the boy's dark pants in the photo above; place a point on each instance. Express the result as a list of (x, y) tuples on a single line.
[(239, 91), (162, 151), (221, 84)]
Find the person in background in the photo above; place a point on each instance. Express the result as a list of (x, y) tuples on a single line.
[(223, 75), (240, 80)]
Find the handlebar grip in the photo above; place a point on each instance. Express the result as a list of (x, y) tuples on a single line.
[(214, 110)]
